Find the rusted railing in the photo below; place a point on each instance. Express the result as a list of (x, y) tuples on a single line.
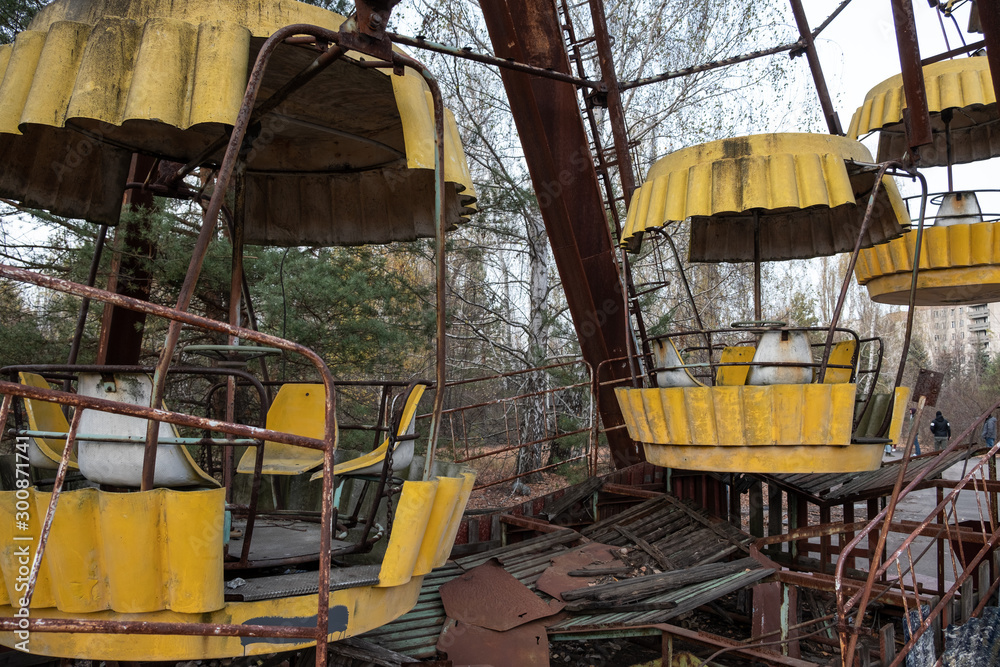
[(970, 535), (524, 410)]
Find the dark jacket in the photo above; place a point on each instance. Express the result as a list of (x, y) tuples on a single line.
[(940, 427), (990, 428)]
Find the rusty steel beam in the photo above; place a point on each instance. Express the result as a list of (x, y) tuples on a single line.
[(557, 152), (122, 329), (917, 118), (806, 37), (989, 19), (530, 522)]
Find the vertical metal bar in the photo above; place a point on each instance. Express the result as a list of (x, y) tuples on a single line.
[(235, 312), (43, 537), (806, 35), (917, 119), (848, 536), (758, 311), (824, 541), (81, 320), (757, 509)]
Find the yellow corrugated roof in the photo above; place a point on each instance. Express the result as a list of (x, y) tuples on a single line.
[(963, 84), (93, 80), (798, 183)]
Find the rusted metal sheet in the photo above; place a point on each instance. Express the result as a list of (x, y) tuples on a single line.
[(928, 386), (524, 646), (489, 597), (556, 579), (558, 155)]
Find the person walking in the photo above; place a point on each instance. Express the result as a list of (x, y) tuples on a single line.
[(990, 430), (941, 430)]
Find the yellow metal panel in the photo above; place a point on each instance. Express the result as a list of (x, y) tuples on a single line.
[(60, 60), (353, 612), (960, 250), (408, 526), (220, 73), (901, 398), (74, 553), (727, 404), (193, 557), (946, 257), (841, 354), (755, 416), (5, 51), (734, 375), (18, 541), (160, 87), (448, 539), (448, 493), (299, 409), (775, 172), (45, 416), (131, 552), (769, 459), (757, 423), (17, 79), (980, 243), (950, 84), (787, 412), (100, 91)]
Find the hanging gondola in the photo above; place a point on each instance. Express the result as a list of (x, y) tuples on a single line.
[(762, 396), (155, 560)]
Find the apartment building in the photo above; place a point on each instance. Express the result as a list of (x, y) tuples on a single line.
[(960, 332)]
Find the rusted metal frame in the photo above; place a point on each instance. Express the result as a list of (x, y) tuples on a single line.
[(143, 412), (842, 297), (989, 19), (684, 281), (514, 399), (826, 583), (947, 55), (154, 628), (725, 62), (81, 320), (829, 19), (819, 81), (628, 490), (419, 42), (938, 610), (912, 301), (874, 567), (43, 537), (917, 118), (533, 470), (558, 155), (626, 172), (522, 445), (235, 316), (530, 522), (817, 530), (845, 607), (210, 217), (874, 382), (311, 71)]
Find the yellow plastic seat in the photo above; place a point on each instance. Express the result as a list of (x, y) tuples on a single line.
[(120, 463), (402, 454), (44, 416), (732, 376), (299, 409), (842, 354)]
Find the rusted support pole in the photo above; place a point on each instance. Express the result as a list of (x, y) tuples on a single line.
[(916, 116), (806, 36), (557, 152), (989, 19), (121, 329)]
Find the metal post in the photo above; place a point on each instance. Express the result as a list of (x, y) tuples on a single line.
[(806, 35)]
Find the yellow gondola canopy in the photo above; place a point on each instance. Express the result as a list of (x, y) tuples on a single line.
[(803, 190), (347, 159), (963, 85)]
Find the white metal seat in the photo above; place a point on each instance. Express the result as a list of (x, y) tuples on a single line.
[(120, 463)]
